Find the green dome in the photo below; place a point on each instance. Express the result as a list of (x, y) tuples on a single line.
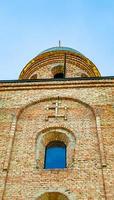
[(61, 49)]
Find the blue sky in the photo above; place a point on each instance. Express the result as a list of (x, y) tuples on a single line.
[(28, 27)]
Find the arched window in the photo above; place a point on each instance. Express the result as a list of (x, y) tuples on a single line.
[(55, 134), (58, 71), (55, 155), (59, 75)]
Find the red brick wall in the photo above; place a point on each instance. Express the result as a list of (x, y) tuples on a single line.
[(90, 119)]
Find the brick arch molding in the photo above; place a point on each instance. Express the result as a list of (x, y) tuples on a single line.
[(52, 134)]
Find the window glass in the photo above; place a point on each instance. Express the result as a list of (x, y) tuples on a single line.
[(59, 75), (55, 155)]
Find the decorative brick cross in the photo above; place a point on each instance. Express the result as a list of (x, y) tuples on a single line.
[(56, 106)]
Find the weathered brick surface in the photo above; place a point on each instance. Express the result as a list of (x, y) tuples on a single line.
[(90, 119), (72, 71)]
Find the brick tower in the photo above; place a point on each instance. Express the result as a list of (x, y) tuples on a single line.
[(60, 103)]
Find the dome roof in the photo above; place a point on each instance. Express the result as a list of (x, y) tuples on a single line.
[(47, 59), (61, 49)]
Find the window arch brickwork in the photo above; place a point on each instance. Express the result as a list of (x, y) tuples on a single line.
[(55, 134), (58, 194)]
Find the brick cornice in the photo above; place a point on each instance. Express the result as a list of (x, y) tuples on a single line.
[(54, 84)]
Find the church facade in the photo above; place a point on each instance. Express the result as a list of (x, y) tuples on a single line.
[(57, 130)]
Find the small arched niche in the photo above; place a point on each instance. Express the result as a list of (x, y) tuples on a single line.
[(84, 75), (34, 76), (52, 196)]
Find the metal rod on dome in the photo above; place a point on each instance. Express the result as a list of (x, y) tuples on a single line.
[(64, 65), (59, 43)]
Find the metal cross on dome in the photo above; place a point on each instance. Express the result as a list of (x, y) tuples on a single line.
[(57, 108)]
